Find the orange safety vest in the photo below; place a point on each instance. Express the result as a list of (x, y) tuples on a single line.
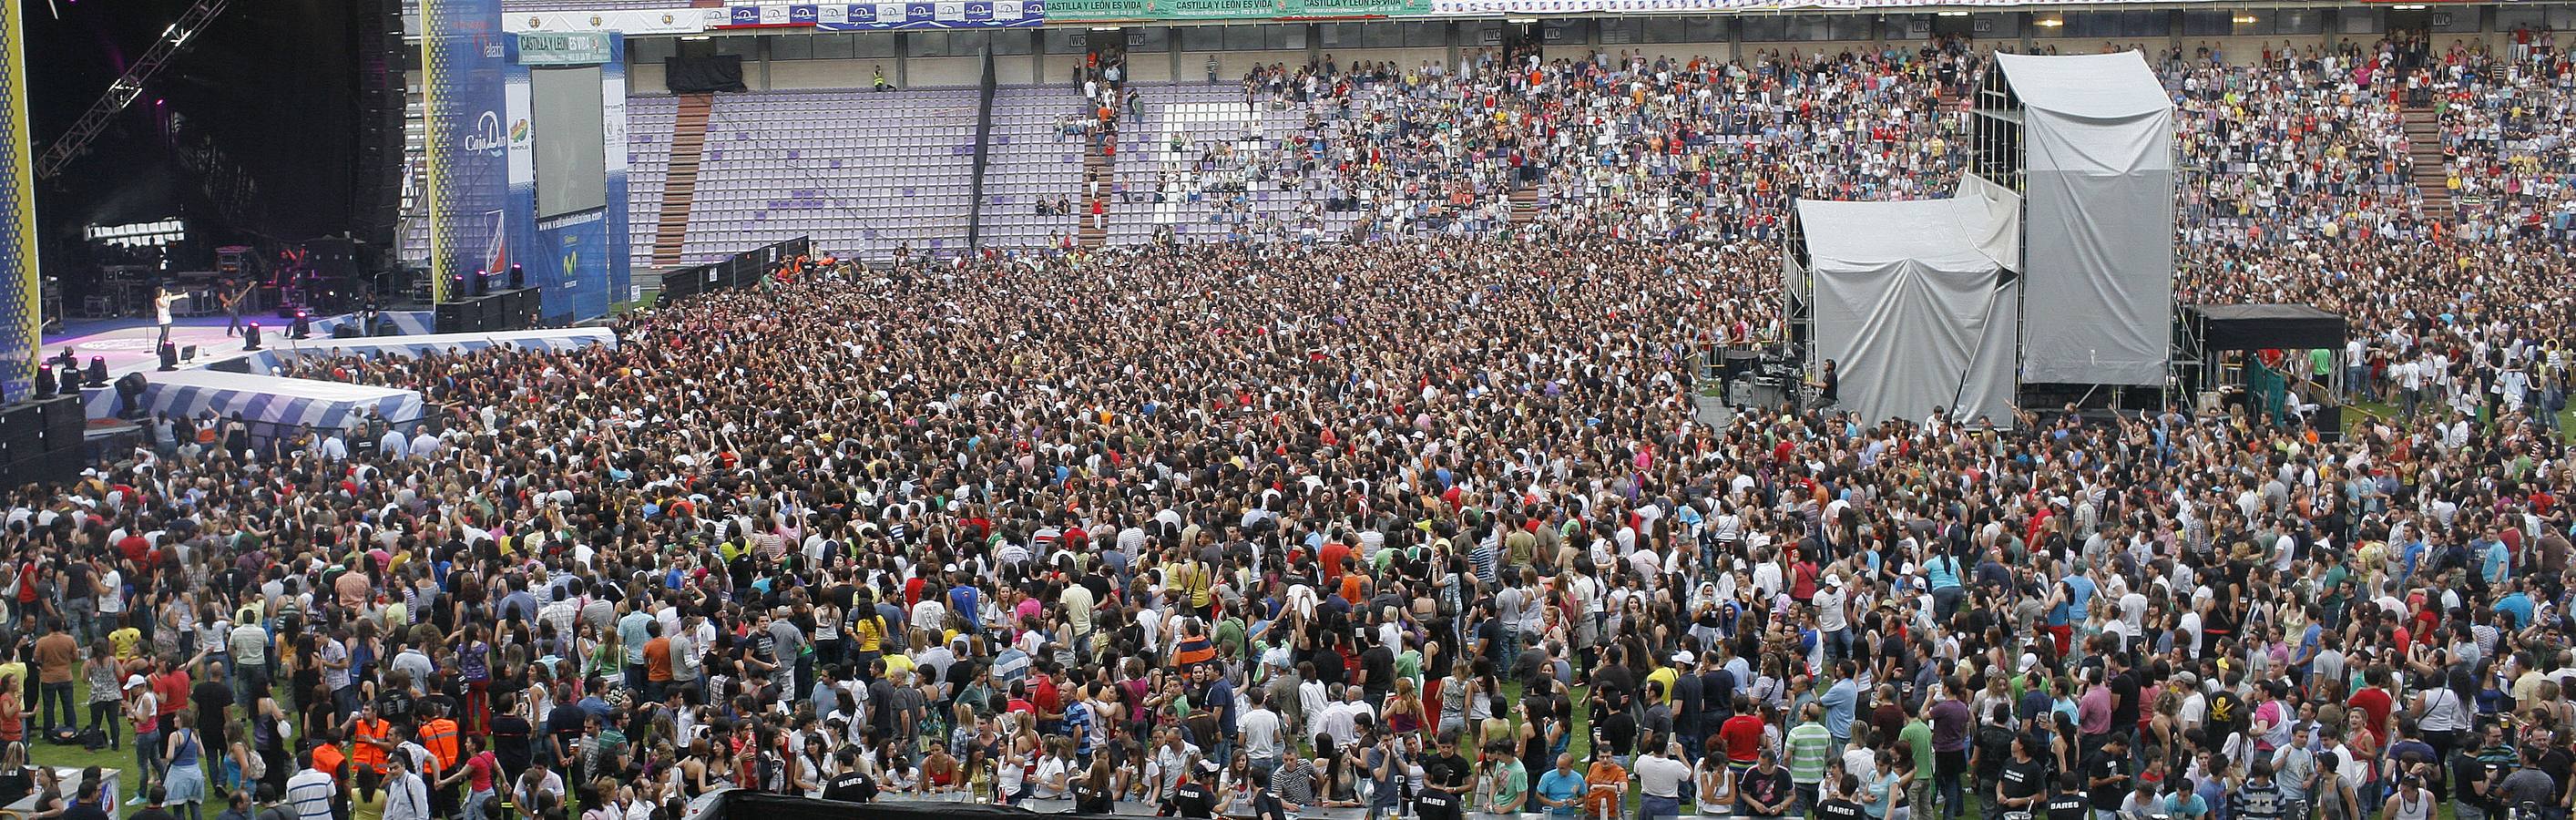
[(440, 737), (327, 760), (364, 750)]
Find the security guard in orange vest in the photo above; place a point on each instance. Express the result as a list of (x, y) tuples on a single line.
[(370, 737), (439, 736)]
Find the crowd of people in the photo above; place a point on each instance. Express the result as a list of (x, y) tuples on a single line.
[(2298, 178), (1433, 523)]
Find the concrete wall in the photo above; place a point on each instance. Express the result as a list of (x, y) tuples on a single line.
[(937, 72), (791, 75), (1150, 68), (645, 78)]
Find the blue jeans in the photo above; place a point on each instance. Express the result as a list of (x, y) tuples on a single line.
[(250, 681), (147, 758), (1650, 807), (53, 693)]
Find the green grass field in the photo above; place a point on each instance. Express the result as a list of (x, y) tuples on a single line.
[(122, 759)]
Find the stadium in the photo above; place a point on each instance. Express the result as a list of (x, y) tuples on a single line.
[(1273, 409)]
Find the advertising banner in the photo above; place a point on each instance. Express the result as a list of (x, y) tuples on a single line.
[(1099, 10), (757, 17), (939, 14), (464, 56), (661, 21), (578, 261), (563, 48), (18, 284)]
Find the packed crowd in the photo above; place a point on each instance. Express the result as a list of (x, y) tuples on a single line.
[(1431, 524), (2298, 179)]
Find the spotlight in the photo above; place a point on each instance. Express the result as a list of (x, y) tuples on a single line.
[(97, 371), (482, 282), (250, 337), (518, 277), (303, 328)]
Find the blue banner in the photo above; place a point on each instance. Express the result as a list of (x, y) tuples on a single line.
[(19, 285), (463, 51), (928, 15), (578, 261)]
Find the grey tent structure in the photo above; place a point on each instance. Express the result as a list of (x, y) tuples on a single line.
[(2087, 142), (1915, 302)]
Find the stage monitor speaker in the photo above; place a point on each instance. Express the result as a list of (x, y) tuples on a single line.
[(449, 318), (375, 185), (487, 315), (20, 427), (41, 467), (65, 421), (524, 306)]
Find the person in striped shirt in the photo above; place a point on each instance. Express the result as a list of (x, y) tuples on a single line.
[(311, 790), (1810, 750)]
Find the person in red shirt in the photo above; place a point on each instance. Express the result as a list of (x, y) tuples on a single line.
[(171, 687), (1331, 556), (2374, 702), (478, 770), (1743, 734)]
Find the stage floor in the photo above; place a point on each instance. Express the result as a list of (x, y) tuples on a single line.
[(128, 344)]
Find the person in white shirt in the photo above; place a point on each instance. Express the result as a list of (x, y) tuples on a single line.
[(1054, 778), (426, 446), (1660, 778), (309, 792), (406, 795), (1260, 729), (111, 594), (1341, 719)]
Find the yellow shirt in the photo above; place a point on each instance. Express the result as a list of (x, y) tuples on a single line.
[(870, 632), (1666, 675), (123, 641)]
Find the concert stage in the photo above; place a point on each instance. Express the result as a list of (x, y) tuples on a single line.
[(128, 345)]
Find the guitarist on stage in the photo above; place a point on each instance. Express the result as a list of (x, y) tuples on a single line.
[(233, 306)]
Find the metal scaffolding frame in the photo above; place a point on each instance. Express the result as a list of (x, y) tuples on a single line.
[(123, 92)]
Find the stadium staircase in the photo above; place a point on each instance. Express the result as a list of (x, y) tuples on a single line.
[(680, 187), (2432, 176), (1096, 164), (1524, 199)]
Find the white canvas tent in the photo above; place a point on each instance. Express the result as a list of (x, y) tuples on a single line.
[(1914, 302), (2091, 144)]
